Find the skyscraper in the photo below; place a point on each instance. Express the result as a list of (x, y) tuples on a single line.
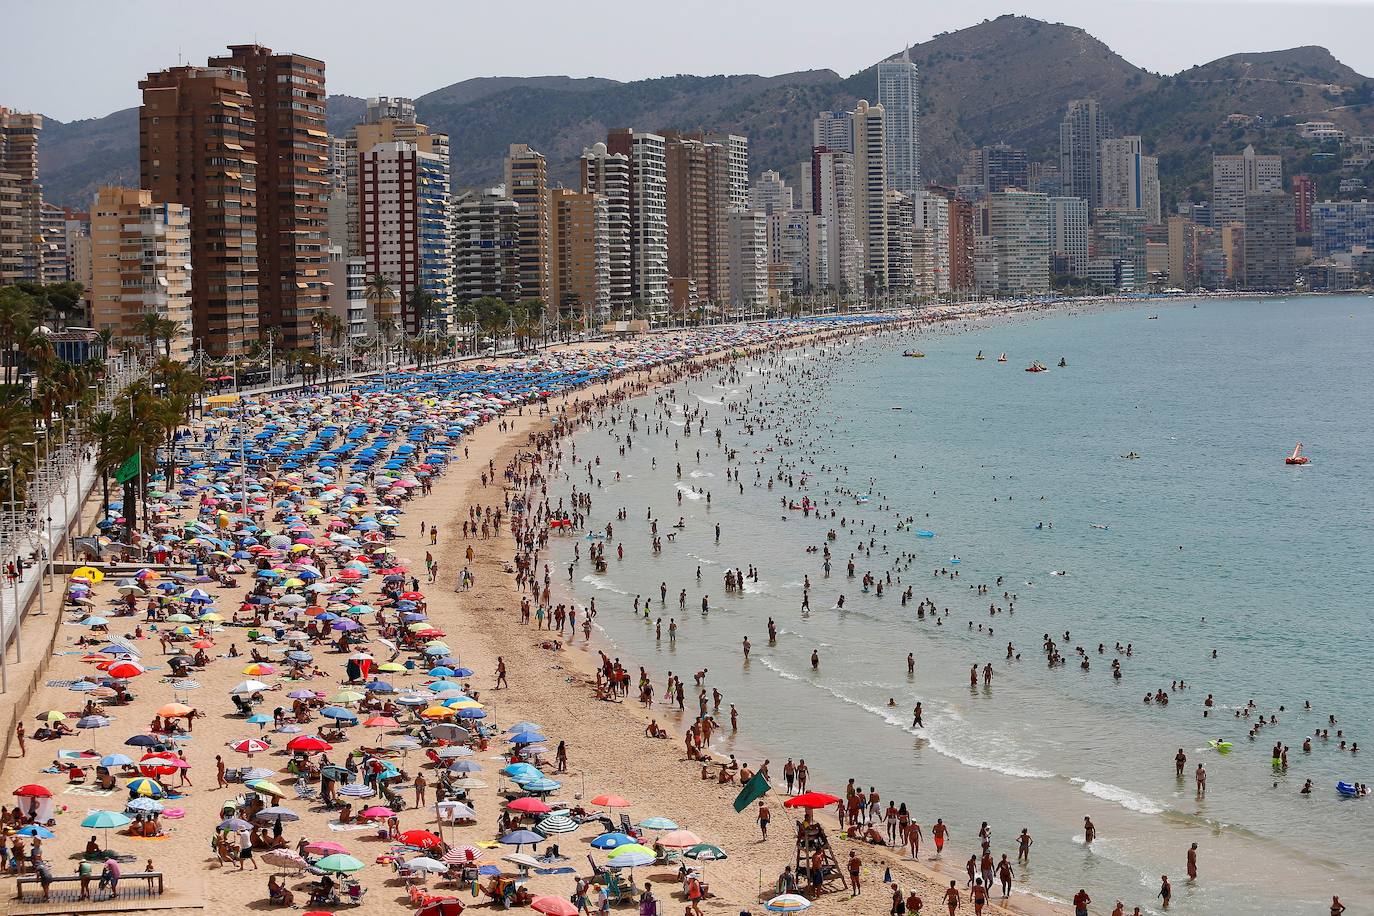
[(608, 174), (901, 241), (1080, 150), (1004, 167), (141, 263), (404, 231), (1304, 196), (833, 130), (770, 193), (690, 211), (292, 152), (1234, 177), (748, 252), (899, 94), (527, 183), (486, 246), (832, 199), (648, 216), (21, 198), (1068, 234), (1130, 180), (197, 140), (870, 190), (1269, 240), (1017, 225), (578, 244)]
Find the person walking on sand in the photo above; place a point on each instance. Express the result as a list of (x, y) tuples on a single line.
[(913, 839), (221, 782), (19, 736), (501, 673), (855, 867), (939, 832), (952, 898), (764, 816), (420, 785), (1081, 901)]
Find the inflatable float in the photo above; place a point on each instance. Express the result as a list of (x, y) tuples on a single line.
[(1347, 789), (925, 534), (1221, 747)]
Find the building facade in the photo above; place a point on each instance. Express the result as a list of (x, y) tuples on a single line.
[(1234, 177), (608, 174), (870, 191), (527, 183), (1340, 226), (21, 198), (1130, 179), (648, 217), (486, 247), (690, 209), (832, 199), (141, 264), (291, 148), (1081, 134), (899, 96), (197, 143), (1269, 241), (1068, 234), (1017, 223), (748, 261), (580, 276)]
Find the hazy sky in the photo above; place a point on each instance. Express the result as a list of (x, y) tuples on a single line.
[(83, 58)]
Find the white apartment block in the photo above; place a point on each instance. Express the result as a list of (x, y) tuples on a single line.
[(899, 94), (748, 259), (870, 187)]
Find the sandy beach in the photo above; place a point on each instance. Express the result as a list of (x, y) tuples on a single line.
[(607, 748)]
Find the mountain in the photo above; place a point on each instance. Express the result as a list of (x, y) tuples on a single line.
[(1006, 79)]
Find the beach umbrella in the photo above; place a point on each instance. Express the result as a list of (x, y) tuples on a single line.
[(528, 805), (93, 722), (142, 741), (347, 696), (279, 815), (705, 852), (264, 787), (420, 839), (146, 805), (36, 830), (253, 773), (451, 811), (679, 839), (557, 823), (339, 863), (259, 719), (125, 670), (810, 800), (249, 687), (284, 858), (459, 855), (174, 710), (116, 760), (250, 746), (464, 766), (324, 847), (338, 713), (787, 903), (107, 821), (380, 722), (444, 906), (308, 744), (526, 738), (521, 771), (258, 669), (632, 856), (355, 790), (377, 812), (518, 838), (610, 801), (51, 716), (539, 785), (553, 906), (657, 823), (453, 752), (427, 865), (144, 787), (612, 840)]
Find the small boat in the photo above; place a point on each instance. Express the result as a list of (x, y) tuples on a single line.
[(1037, 366), (1002, 358), (1131, 455), (980, 355), (1297, 457), (916, 354), (1153, 318)]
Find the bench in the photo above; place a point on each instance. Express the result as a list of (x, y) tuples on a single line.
[(132, 884)]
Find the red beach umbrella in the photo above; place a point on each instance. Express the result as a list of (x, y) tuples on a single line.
[(810, 800), (553, 906), (610, 801), (529, 806), (33, 791), (421, 839), (308, 743)]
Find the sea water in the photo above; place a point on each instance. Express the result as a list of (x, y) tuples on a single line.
[(1209, 542)]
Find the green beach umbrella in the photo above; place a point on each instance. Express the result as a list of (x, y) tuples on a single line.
[(340, 863)]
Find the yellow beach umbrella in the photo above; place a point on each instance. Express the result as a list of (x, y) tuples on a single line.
[(438, 712), (89, 573)]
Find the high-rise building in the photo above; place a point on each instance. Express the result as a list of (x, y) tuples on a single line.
[(833, 130), (748, 260), (1234, 177), (1068, 234), (608, 174), (1269, 240), (1081, 134), (347, 299), (1182, 253), (932, 243), (141, 263), (78, 243), (1340, 226), (901, 241), (580, 274), (527, 183), (292, 152), (648, 216), (735, 165), (21, 198), (870, 191), (1118, 236), (690, 212), (386, 119), (1304, 196), (832, 199), (797, 245), (53, 222), (1130, 180), (486, 247), (723, 196), (197, 140), (770, 193), (899, 96), (1017, 225), (1003, 167), (404, 231)]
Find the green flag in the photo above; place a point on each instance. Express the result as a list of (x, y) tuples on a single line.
[(131, 468), (756, 788)]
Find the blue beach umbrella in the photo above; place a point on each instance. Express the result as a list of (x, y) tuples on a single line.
[(612, 840)]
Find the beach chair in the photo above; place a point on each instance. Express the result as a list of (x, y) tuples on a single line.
[(628, 828), (305, 790)]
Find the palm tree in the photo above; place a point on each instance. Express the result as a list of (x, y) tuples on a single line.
[(379, 292), (110, 450), (17, 317)]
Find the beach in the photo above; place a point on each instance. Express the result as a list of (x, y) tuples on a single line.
[(606, 747)]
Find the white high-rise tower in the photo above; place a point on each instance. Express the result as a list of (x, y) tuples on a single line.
[(899, 93)]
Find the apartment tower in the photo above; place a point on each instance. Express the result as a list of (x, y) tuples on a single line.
[(648, 216), (1080, 150), (196, 145), (870, 190), (21, 198), (899, 94), (527, 183), (292, 151), (608, 174)]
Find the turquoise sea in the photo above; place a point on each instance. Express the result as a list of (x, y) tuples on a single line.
[(1209, 542)]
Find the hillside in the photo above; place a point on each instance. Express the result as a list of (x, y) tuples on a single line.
[(1006, 79)]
